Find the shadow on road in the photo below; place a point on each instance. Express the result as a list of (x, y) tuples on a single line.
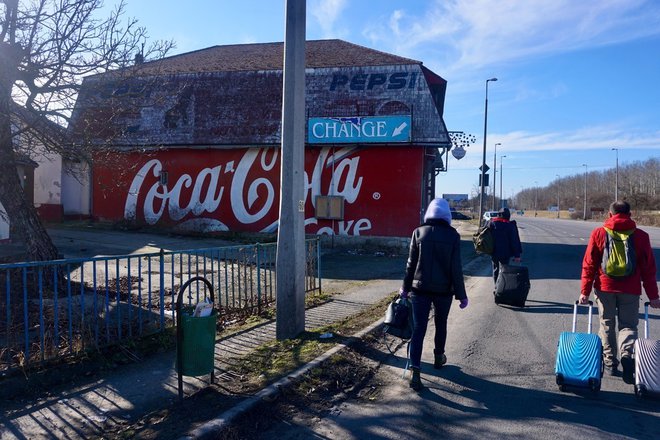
[(495, 400)]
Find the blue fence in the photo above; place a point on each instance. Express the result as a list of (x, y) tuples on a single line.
[(62, 308)]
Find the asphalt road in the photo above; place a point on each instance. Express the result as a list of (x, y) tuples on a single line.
[(499, 381)]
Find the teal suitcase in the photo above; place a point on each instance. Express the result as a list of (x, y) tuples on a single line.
[(579, 357)]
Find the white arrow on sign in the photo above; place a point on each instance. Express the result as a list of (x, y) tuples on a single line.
[(397, 131)]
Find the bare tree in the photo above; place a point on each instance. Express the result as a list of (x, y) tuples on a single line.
[(46, 48)]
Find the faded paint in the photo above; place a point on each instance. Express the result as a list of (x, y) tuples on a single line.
[(245, 108), (238, 189)]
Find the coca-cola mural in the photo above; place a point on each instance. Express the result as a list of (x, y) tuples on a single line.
[(238, 189)]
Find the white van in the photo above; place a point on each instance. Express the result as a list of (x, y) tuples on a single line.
[(490, 214)]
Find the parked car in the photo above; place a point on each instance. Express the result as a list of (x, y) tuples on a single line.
[(455, 215), (491, 214)]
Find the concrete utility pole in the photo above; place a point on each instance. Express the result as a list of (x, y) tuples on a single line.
[(291, 233)]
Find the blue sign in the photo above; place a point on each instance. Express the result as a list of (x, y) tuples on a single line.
[(358, 129)]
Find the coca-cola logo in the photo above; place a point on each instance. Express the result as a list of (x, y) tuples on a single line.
[(252, 194)]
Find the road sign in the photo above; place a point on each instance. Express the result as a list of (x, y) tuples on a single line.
[(484, 168), (485, 179)]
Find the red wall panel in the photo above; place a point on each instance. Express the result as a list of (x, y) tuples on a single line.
[(238, 189)]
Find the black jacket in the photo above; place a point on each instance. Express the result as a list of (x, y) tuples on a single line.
[(434, 261), (506, 239)]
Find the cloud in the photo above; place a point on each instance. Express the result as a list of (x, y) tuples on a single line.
[(326, 13), (471, 34), (586, 138), (597, 137)]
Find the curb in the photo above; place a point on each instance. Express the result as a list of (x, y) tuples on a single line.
[(215, 426)]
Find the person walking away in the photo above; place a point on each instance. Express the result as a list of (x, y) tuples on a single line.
[(433, 276), (618, 261), (506, 241)]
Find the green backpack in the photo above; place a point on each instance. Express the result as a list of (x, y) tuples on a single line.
[(483, 241), (619, 253)]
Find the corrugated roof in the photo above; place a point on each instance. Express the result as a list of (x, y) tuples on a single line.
[(269, 56)]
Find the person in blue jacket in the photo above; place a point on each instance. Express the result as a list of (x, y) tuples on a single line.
[(433, 277), (506, 241)]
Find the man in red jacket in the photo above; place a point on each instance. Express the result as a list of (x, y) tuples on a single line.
[(618, 297)]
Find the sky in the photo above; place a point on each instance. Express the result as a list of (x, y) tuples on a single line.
[(575, 78)]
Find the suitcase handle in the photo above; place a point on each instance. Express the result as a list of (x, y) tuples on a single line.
[(590, 304), (646, 319)]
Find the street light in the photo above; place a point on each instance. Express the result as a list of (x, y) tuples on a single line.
[(585, 191), (495, 175), (483, 162), (557, 195), (536, 196), (616, 182), (501, 175)]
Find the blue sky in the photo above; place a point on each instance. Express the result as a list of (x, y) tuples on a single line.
[(575, 78)]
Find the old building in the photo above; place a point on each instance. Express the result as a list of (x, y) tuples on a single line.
[(41, 168), (192, 141)]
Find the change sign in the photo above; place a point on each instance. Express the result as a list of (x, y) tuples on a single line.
[(359, 129)]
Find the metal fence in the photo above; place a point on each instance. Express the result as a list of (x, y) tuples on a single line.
[(63, 308)]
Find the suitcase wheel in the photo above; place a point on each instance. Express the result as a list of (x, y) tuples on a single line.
[(594, 385), (640, 391)]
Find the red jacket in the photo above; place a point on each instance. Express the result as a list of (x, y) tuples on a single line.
[(592, 273)]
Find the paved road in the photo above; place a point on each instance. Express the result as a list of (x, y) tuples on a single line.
[(499, 381)]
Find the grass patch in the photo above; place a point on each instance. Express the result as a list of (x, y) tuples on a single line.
[(275, 359)]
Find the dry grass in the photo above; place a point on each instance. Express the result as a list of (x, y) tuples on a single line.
[(642, 218)]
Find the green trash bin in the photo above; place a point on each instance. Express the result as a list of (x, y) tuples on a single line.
[(195, 337), (197, 345)]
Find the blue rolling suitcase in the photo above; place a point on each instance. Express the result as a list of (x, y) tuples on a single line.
[(579, 357), (647, 362)]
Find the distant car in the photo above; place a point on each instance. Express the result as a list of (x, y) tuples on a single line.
[(490, 215), (455, 215)]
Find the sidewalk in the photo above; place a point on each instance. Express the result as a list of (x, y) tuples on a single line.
[(86, 408), (91, 405)]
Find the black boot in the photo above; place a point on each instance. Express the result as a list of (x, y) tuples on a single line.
[(415, 379), (628, 365), (440, 360)]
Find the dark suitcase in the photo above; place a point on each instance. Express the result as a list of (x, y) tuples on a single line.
[(647, 362), (512, 286), (579, 358)]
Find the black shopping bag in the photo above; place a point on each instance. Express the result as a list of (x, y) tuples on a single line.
[(398, 319)]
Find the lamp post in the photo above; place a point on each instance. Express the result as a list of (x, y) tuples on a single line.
[(585, 192), (495, 175), (616, 181), (501, 175), (536, 196), (557, 195), (483, 162)]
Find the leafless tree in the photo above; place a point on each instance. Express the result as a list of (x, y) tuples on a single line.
[(46, 48)]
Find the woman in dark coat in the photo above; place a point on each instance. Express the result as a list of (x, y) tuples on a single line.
[(434, 275)]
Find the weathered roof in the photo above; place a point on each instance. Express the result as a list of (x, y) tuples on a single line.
[(269, 56), (232, 96)]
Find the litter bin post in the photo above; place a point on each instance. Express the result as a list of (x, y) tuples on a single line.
[(195, 337)]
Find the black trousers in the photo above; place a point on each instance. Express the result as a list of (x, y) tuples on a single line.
[(496, 266)]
